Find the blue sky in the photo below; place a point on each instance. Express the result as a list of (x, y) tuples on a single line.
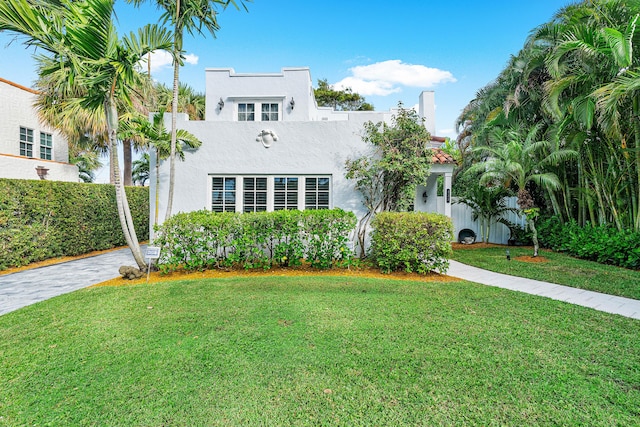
[(387, 51)]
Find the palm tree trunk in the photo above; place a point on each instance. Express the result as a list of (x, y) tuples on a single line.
[(177, 46), (124, 213), (126, 160), (534, 236)]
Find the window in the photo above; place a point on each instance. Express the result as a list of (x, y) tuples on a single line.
[(248, 193), (254, 192), (45, 145), (246, 112), (285, 193), (269, 112), (316, 194), (26, 142), (223, 194)]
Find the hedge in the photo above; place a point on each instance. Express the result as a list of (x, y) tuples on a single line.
[(46, 219), (602, 243), (202, 240), (411, 241)]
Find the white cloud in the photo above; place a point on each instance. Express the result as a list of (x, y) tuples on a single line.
[(385, 78), (161, 59)]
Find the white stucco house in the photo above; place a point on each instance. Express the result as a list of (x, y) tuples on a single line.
[(28, 148), (266, 145)]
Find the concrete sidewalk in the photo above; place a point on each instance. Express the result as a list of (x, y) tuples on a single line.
[(27, 287), (608, 303)]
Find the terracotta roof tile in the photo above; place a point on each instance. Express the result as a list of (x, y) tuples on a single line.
[(441, 157)]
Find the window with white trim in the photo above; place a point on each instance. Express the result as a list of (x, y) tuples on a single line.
[(246, 112), (26, 142), (46, 142), (223, 194), (254, 194), (285, 193), (269, 112), (316, 193), (250, 193)]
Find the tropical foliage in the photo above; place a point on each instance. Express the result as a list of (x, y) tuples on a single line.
[(89, 65), (560, 123), (340, 100), (192, 17), (400, 159)]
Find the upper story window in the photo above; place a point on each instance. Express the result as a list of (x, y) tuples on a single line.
[(46, 143), (26, 142), (268, 111), (246, 112)]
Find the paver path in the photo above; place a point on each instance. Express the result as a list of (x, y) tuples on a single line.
[(27, 287), (608, 303)]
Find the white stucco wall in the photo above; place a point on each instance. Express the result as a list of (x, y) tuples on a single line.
[(16, 110), (311, 141), (304, 148)]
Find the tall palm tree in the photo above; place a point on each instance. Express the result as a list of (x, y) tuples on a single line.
[(192, 16), (79, 37)]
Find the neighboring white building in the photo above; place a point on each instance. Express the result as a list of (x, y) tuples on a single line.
[(28, 148), (266, 145)]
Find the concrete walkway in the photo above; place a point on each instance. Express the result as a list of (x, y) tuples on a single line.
[(27, 287), (610, 304)]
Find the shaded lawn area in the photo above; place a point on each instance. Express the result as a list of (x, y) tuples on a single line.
[(558, 268), (316, 351)]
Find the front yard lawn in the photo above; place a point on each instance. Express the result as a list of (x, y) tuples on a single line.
[(315, 351), (552, 267)]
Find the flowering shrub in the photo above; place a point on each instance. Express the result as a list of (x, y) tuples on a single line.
[(202, 239)]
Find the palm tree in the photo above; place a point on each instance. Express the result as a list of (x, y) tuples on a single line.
[(155, 135), (192, 16), (141, 169), (520, 159), (98, 69)]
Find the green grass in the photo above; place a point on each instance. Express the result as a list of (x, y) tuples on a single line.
[(560, 269), (316, 351)]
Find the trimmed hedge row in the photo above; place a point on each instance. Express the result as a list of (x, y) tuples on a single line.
[(201, 240), (46, 219), (412, 241), (603, 244)]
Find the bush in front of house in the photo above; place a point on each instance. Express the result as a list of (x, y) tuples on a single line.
[(202, 240), (411, 241), (46, 219), (602, 243)]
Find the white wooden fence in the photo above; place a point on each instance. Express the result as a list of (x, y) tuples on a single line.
[(462, 215)]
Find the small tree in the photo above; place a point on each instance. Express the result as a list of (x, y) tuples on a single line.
[(400, 160), (487, 204), (341, 100)]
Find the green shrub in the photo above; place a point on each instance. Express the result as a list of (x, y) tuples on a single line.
[(411, 241), (46, 219), (603, 243), (203, 239)]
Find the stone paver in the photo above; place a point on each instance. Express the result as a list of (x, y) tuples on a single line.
[(30, 286), (608, 303)]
